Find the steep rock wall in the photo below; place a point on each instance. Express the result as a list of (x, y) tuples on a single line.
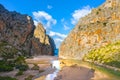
[(18, 31), (99, 28)]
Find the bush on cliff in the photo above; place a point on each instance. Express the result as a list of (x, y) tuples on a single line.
[(109, 55)]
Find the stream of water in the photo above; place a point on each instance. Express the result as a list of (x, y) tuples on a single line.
[(56, 65)]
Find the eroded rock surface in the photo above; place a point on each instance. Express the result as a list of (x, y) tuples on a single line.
[(99, 28), (19, 31)]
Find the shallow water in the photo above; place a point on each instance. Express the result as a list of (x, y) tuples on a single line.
[(56, 65), (99, 75), (52, 76)]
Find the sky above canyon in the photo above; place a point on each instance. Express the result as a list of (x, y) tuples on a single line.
[(58, 16)]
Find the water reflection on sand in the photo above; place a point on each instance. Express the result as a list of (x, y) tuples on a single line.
[(75, 68), (78, 70), (52, 76), (55, 64)]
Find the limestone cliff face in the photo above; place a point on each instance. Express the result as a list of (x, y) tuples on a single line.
[(45, 46), (18, 31), (99, 28)]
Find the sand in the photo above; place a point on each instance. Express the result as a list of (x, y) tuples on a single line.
[(75, 73), (42, 61)]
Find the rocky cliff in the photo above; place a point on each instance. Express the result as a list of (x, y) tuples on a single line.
[(42, 43), (96, 36), (18, 31)]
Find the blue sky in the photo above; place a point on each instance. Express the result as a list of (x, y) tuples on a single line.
[(57, 16)]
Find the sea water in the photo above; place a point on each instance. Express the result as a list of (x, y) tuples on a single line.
[(56, 52)]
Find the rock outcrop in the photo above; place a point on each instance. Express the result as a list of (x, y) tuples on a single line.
[(17, 30), (98, 29), (45, 45)]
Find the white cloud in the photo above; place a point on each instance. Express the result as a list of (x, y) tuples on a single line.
[(66, 27), (62, 36), (49, 7), (58, 37), (58, 40), (77, 14), (46, 19)]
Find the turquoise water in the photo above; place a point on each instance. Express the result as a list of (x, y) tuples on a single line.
[(56, 52)]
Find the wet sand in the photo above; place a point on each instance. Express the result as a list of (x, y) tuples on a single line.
[(75, 70), (75, 73)]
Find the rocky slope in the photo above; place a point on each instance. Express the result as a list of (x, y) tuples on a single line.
[(17, 31), (95, 33)]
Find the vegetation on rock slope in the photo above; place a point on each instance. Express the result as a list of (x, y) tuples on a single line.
[(11, 58), (109, 54)]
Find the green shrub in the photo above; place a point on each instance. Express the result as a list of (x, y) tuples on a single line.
[(40, 71), (104, 23), (4, 68), (7, 78), (29, 77), (21, 64), (99, 9), (22, 67), (2, 62), (19, 73), (114, 63), (20, 59), (97, 12), (7, 55), (35, 67), (10, 63)]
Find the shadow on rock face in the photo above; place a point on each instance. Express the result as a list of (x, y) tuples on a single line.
[(19, 31)]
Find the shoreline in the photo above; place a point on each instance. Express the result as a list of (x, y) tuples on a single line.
[(70, 70)]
